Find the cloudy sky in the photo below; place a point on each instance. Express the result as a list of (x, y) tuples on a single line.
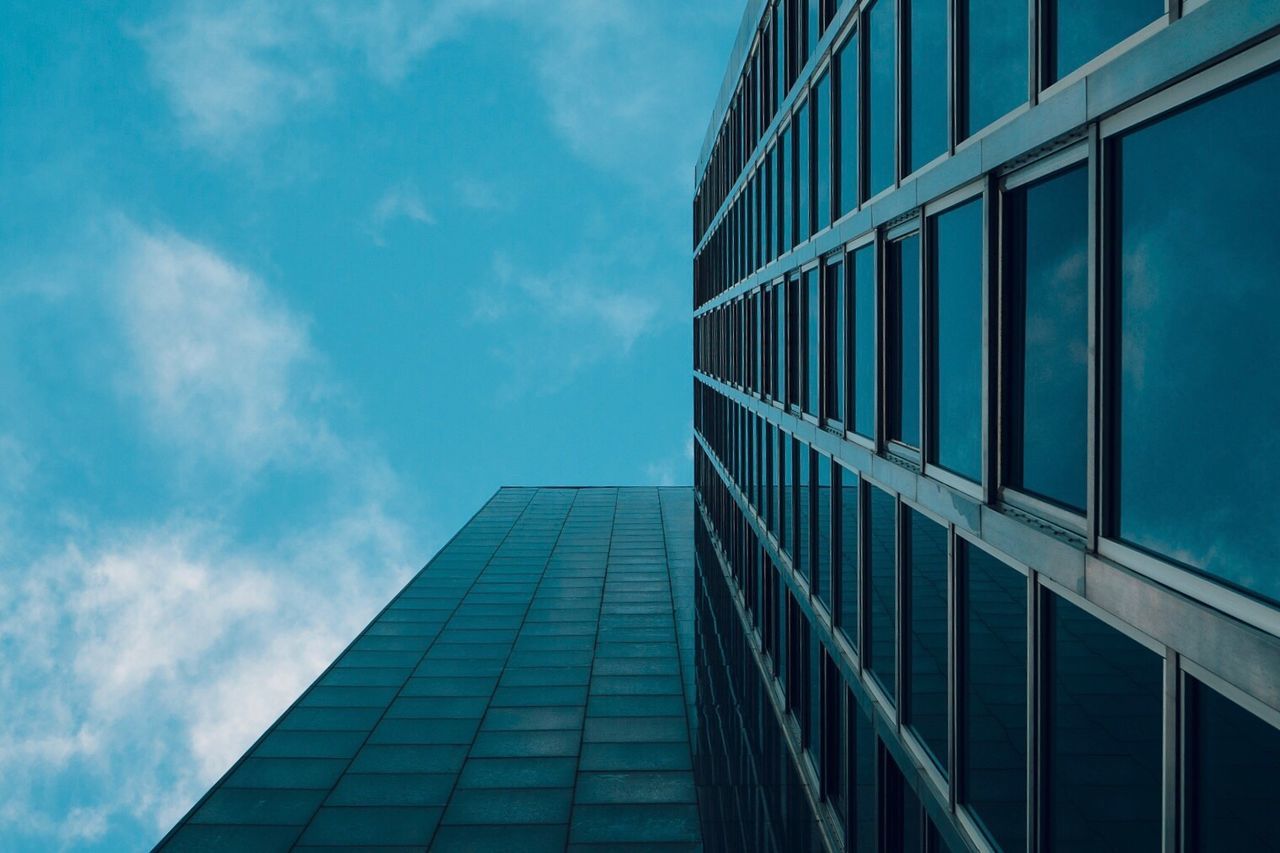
[(287, 289)]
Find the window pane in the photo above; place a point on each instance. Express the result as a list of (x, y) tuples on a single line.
[(1104, 735), (1199, 349), (1090, 27), (846, 106), (833, 342), (863, 303), (813, 342), (781, 54), (884, 593), (785, 486), (849, 532), (1233, 759), (804, 175), (766, 212), (927, 706), (824, 530), (994, 730), (957, 353), (881, 96), (795, 343), (822, 153), (780, 342), (804, 501), (904, 414), (862, 777), (928, 81), (1049, 330), (996, 81), (814, 701), (785, 188)]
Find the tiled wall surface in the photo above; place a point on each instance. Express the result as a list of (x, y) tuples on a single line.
[(530, 689)]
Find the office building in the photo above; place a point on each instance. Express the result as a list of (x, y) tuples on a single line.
[(987, 397)]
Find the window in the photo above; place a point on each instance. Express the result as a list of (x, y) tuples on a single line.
[(901, 828), (1204, 357), (780, 360), (904, 343), (1103, 725), (803, 174), (846, 125), (833, 339), (927, 81), (926, 708), (1087, 28), (862, 327), (849, 542), (883, 579), (813, 704), (860, 764), (822, 153), (813, 340), (767, 208), (785, 188), (993, 728), (781, 53), (996, 50), (881, 97), (1047, 303), (785, 484), (823, 535), (804, 509), (782, 628), (795, 343), (955, 272), (1232, 757)]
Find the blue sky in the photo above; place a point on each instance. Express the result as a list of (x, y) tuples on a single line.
[(287, 289)]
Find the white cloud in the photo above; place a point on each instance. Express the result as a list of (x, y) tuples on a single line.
[(483, 195), (223, 369), (400, 201)]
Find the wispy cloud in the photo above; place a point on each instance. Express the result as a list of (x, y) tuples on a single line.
[(483, 195), (400, 201)]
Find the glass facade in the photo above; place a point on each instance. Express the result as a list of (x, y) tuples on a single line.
[(1039, 609)]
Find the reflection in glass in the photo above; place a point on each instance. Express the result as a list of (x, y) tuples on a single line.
[(1233, 756), (881, 96), (848, 577), (1048, 303), (904, 286), (1199, 351), (1104, 719), (833, 336), (804, 509), (823, 544), (803, 175), (813, 341), (927, 682), (846, 106), (822, 153), (996, 79), (882, 576), (994, 726), (927, 83), (862, 302), (956, 274), (785, 189), (1087, 28)]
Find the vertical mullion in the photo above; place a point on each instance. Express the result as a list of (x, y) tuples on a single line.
[(1171, 762)]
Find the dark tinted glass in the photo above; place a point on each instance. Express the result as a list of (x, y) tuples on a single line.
[(996, 80), (927, 702), (904, 414), (813, 705), (785, 520), (1049, 332), (1233, 760), (1200, 379), (804, 174), (795, 335), (780, 342), (813, 340), (833, 342), (804, 509), (862, 778), (767, 207), (785, 190), (822, 153), (1104, 735), (783, 599), (881, 96), (956, 264), (1082, 29), (781, 54), (846, 106), (862, 280), (823, 539), (994, 726), (849, 532), (927, 83), (884, 593)]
